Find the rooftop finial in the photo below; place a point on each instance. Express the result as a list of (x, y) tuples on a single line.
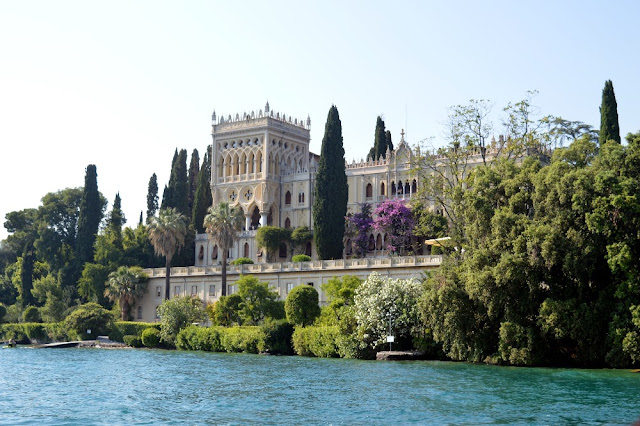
[(213, 117), (266, 108), (402, 136)]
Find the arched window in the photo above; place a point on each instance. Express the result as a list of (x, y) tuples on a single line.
[(287, 198), (382, 189), (393, 188), (214, 253), (139, 312), (379, 242), (307, 249), (282, 252), (287, 223), (372, 243), (300, 197), (414, 187), (400, 188), (246, 249), (369, 191), (201, 253), (407, 187)]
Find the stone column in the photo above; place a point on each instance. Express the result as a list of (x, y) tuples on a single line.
[(263, 218), (247, 221)]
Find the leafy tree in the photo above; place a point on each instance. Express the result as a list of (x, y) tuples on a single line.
[(194, 169), (226, 311), (257, 300), (90, 215), (178, 313), (57, 230), (270, 238), (428, 225), (609, 127), (167, 233), (138, 250), (92, 282), (89, 316), (358, 227), (223, 223), (564, 130), (331, 191), (31, 314), (203, 198), (3, 312), (300, 236), (302, 306), (126, 285)]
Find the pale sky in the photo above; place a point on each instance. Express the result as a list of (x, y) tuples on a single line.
[(121, 84)]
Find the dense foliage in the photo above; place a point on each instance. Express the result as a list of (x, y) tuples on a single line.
[(301, 305), (330, 191), (178, 313)]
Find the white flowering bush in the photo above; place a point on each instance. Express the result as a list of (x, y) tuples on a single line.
[(379, 299)]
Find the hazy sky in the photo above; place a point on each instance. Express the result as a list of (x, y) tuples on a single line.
[(121, 84)]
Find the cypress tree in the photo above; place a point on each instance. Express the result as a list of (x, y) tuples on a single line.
[(194, 169), (330, 191), (609, 128), (26, 274), (179, 185), (140, 221), (167, 194), (387, 135), (152, 197), (167, 198), (203, 198), (116, 220), (89, 217), (380, 141)]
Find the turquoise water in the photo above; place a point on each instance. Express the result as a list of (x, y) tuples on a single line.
[(98, 386)]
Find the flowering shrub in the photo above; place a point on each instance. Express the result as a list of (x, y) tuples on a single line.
[(394, 218), (358, 226), (379, 299)]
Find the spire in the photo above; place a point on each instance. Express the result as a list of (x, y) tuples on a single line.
[(308, 121), (266, 108), (213, 117)]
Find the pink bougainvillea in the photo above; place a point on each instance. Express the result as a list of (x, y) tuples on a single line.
[(394, 218)]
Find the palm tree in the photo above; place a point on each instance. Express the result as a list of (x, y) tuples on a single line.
[(125, 285), (167, 232), (222, 224)]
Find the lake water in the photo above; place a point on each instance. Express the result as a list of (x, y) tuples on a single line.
[(99, 386)]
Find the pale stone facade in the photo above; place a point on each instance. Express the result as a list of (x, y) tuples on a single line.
[(261, 163), (205, 282)]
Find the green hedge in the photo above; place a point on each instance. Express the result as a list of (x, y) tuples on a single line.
[(129, 328), (316, 341), (151, 337), (272, 338), (301, 258), (133, 341), (31, 332), (242, 261)]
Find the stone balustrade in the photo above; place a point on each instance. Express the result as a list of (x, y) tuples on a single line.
[(314, 265)]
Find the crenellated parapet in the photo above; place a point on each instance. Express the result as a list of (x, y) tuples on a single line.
[(253, 118)]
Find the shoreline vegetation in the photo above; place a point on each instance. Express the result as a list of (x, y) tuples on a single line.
[(541, 265)]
